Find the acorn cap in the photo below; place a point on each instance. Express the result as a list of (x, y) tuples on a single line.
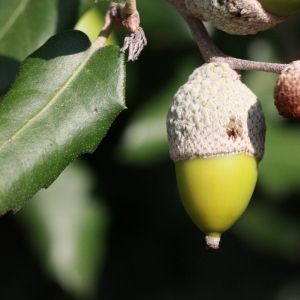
[(287, 92), (234, 16), (215, 114)]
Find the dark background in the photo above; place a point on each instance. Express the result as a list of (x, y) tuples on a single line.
[(153, 250)]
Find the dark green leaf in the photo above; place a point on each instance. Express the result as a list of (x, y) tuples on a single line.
[(24, 26), (61, 105)]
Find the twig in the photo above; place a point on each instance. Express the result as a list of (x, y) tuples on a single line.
[(211, 53), (180, 6), (106, 29)]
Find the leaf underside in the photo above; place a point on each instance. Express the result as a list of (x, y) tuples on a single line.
[(61, 105)]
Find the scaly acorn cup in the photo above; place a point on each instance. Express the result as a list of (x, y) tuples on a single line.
[(216, 132), (287, 92), (234, 16)]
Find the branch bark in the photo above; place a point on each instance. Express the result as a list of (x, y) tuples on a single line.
[(209, 50)]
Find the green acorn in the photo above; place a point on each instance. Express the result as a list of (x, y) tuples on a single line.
[(281, 7), (216, 133)]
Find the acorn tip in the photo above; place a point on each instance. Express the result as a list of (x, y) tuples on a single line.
[(212, 242)]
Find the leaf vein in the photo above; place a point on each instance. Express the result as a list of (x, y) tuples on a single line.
[(56, 95), (13, 18)]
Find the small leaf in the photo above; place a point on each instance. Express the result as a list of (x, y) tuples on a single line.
[(24, 26), (61, 105)]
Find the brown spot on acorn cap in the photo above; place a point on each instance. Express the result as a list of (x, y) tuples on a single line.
[(216, 132), (287, 92), (215, 114)]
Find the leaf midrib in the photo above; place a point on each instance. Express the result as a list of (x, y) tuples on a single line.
[(13, 18), (90, 52)]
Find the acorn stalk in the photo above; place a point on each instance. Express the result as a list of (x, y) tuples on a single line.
[(216, 133)]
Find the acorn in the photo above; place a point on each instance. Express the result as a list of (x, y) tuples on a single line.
[(235, 16), (280, 7), (287, 92), (216, 132)]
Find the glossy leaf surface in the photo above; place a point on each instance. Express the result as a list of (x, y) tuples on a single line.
[(61, 105)]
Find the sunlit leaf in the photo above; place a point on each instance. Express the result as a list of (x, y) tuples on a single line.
[(61, 105)]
